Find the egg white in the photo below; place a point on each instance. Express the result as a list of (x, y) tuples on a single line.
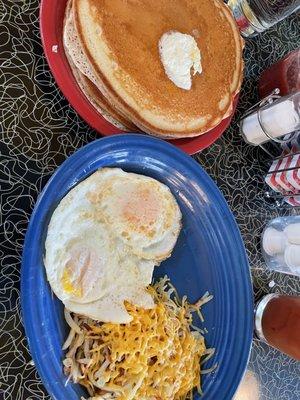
[(141, 211), (98, 255)]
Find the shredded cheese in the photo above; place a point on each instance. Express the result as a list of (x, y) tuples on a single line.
[(155, 357)]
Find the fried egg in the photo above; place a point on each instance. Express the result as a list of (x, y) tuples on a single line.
[(105, 238), (141, 211)]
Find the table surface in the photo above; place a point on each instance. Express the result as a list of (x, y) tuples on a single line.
[(39, 130)]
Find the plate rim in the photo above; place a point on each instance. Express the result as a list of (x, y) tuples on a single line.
[(201, 173), (67, 84)]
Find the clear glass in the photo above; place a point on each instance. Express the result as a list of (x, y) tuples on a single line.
[(255, 16), (277, 322), (281, 245)]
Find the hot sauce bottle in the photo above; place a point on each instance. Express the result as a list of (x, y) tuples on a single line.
[(284, 75)]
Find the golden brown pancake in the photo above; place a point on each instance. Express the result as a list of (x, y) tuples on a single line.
[(88, 88), (120, 40), (96, 98)]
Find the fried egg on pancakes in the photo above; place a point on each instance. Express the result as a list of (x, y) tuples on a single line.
[(104, 239)]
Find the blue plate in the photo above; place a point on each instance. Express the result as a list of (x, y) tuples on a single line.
[(209, 255)]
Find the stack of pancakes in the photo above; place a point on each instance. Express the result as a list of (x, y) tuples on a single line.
[(113, 49)]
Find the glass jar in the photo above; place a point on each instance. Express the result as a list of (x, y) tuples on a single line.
[(255, 16)]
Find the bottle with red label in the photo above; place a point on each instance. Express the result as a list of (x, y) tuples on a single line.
[(284, 75)]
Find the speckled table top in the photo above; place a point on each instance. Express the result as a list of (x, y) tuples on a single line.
[(39, 130)]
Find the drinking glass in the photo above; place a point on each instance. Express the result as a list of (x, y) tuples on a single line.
[(255, 16), (277, 322)]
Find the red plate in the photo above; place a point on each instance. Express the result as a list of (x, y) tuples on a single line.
[(51, 26)]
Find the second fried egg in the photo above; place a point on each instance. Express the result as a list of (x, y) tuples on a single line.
[(104, 239)]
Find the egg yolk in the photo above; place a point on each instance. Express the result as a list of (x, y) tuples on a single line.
[(80, 271), (67, 285), (142, 210)]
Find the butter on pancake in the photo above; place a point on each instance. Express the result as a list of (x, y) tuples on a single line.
[(119, 40), (179, 54)]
